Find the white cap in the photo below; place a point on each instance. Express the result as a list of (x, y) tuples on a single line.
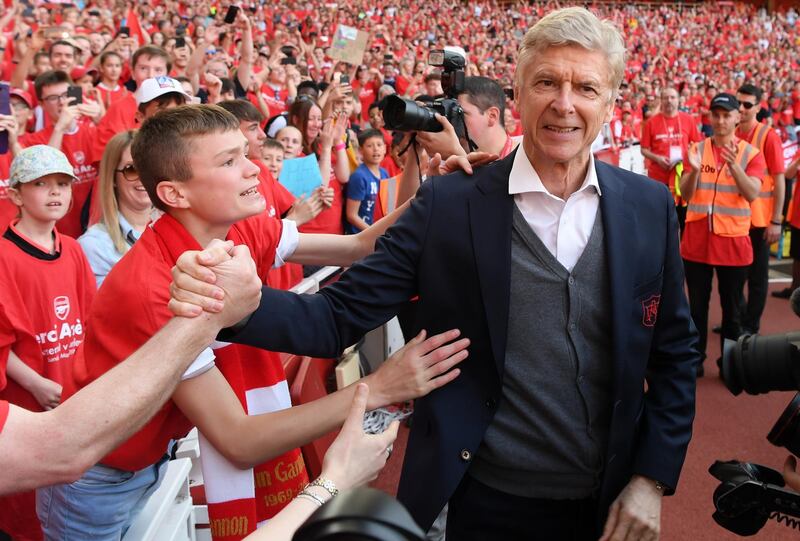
[(156, 87)]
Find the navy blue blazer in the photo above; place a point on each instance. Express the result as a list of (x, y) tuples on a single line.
[(452, 248)]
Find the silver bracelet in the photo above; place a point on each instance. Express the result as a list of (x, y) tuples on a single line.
[(311, 497)]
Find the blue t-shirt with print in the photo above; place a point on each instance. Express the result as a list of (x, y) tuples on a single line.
[(364, 186)]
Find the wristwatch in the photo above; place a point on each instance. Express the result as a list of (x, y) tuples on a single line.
[(327, 484)]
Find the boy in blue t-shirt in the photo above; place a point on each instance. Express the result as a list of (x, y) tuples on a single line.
[(364, 183)]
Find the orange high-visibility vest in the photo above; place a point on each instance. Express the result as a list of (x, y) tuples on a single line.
[(764, 204), (387, 194), (717, 196)]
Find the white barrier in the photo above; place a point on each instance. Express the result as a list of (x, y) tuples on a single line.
[(168, 514), (311, 283)]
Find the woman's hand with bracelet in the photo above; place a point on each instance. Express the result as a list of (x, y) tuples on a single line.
[(355, 458)]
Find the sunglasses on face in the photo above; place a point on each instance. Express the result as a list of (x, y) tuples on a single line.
[(747, 104), (129, 172)]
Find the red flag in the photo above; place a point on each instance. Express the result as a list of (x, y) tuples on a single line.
[(133, 23)]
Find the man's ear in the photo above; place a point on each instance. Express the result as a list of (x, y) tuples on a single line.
[(172, 194), (493, 116), (139, 117), (610, 111)]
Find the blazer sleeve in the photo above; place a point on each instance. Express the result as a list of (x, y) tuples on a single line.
[(669, 403), (367, 295)]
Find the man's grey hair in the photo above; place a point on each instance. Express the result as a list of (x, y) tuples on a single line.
[(575, 26)]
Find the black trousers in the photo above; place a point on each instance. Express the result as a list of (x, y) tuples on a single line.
[(680, 210), (480, 513), (730, 281), (757, 282)]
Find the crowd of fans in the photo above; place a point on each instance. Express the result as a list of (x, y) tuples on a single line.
[(83, 78)]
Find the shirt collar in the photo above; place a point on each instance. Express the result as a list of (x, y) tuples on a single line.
[(127, 229), (524, 178)]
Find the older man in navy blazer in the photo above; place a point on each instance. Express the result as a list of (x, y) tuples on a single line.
[(573, 412)]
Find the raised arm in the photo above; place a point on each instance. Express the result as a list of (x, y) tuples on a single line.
[(246, 55), (247, 440)]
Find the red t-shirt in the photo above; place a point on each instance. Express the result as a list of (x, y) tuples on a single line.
[(45, 304), (796, 104), (77, 147), (134, 297), (369, 93), (3, 414), (279, 201), (660, 133), (330, 220), (700, 245), (121, 116), (8, 210), (276, 100), (110, 96)]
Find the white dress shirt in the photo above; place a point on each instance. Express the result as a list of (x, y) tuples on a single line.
[(563, 226)]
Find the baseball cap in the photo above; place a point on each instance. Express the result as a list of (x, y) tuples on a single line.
[(79, 72), (24, 96), (155, 87), (36, 162), (725, 101)]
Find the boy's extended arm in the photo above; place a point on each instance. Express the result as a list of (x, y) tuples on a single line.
[(352, 207), (342, 250), (247, 440)]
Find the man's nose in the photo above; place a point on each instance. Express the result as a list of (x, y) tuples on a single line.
[(562, 102)]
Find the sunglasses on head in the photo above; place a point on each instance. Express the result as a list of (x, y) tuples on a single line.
[(747, 104)]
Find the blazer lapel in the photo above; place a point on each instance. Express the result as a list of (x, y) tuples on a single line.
[(619, 224), (490, 211)]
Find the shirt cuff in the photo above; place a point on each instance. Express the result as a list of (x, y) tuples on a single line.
[(202, 364), (288, 243)]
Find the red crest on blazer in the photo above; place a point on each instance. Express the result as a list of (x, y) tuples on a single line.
[(650, 310)]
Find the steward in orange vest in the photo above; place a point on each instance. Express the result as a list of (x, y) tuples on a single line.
[(767, 208), (722, 177)]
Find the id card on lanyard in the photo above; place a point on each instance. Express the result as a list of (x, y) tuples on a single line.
[(675, 151)]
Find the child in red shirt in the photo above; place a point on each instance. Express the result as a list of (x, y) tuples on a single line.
[(47, 288), (73, 133)]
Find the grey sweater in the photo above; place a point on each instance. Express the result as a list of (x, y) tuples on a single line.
[(549, 435)]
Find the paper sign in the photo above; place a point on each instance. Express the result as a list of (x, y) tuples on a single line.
[(348, 44), (301, 175)]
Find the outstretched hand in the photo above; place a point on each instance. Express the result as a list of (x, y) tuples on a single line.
[(416, 369), (356, 458)]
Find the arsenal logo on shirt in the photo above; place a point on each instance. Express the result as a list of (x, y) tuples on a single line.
[(61, 307)]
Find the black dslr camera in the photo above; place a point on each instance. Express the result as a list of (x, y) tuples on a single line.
[(407, 115), (750, 494)]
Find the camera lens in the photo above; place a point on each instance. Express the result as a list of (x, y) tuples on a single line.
[(760, 364), (786, 432), (405, 115)]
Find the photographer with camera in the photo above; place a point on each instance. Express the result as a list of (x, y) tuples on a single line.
[(750, 494), (483, 103)]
